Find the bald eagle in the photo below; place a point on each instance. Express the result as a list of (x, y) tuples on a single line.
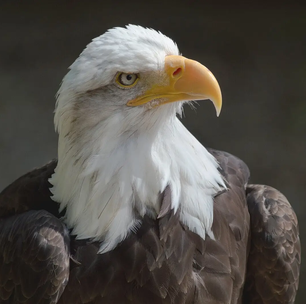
[(135, 209)]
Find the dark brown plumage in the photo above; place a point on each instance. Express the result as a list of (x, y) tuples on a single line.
[(274, 259), (254, 258)]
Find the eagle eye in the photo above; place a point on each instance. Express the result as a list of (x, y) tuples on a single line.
[(127, 80)]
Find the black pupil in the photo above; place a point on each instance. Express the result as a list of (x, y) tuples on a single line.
[(129, 77)]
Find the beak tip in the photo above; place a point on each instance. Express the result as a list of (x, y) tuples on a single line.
[(218, 106)]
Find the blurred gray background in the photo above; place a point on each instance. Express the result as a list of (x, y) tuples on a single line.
[(258, 55)]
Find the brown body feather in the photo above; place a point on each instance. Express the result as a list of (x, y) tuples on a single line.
[(256, 241), (274, 259)]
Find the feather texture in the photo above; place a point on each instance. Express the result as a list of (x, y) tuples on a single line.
[(162, 261)]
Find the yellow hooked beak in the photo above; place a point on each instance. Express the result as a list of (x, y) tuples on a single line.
[(188, 80)]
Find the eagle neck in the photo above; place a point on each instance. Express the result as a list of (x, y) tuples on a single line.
[(108, 189)]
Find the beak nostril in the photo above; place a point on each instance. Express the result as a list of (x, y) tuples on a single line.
[(176, 72)]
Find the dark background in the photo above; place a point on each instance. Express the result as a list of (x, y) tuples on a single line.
[(257, 53)]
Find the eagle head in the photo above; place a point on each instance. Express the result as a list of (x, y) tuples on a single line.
[(131, 72)]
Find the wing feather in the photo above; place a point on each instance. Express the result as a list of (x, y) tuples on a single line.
[(275, 256), (29, 192), (34, 258)]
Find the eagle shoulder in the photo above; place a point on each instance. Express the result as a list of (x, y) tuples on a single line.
[(34, 258), (29, 192), (275, 254), (234, 170)]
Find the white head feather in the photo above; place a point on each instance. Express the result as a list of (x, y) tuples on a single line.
[(115, 160)]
